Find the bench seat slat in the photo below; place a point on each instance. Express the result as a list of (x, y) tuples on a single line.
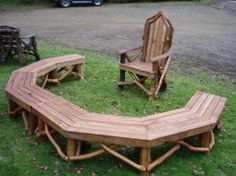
[(30, 67), (182, 116), (205, 104), (94, 130), (11, 81), (174, 119), (66, 114), (42, 92), (158, 118), (199, 103), (23, 87), (218, 110), (42, 70), (111, 127), (193, 100), (176, 128), (18, 93), (53, 116), (70, 106), (105, 118)]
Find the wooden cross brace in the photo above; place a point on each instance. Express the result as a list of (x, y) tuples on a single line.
[(54, 78), (145, 164)]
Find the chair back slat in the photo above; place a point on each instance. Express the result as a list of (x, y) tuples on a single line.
[(157, 38)]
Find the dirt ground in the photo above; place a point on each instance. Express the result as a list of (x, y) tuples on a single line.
[(204, 38)]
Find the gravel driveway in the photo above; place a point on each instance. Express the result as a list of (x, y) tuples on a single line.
[(204, 38)]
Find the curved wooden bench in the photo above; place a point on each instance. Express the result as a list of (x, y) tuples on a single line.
[(46, 113)]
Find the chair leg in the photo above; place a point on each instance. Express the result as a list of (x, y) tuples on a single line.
[(162, 78), (36, 55), (164, 84), (122, 78), (21, 56), (153, 89), (35, 50)]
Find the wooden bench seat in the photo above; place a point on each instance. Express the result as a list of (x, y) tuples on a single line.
[(19, 93), (51, 113)]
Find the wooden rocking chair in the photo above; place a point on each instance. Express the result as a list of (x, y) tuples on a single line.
[(152, 58)]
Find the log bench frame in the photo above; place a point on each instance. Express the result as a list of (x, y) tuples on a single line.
[(46, 114)]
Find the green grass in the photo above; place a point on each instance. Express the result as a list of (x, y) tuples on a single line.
[(8, 4), (21, 155)]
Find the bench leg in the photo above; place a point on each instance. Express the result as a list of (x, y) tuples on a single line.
[(79, 70), (206, 140), (40, 130), (145, 159), (32, 124), (40, 126), (53, 77), (12, 109), (219, 126), (71, 148)]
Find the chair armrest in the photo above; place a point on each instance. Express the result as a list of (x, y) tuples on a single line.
[(123, 51), (163, 56)]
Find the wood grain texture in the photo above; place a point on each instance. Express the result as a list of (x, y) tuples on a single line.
[(199, 116), (152, 61)]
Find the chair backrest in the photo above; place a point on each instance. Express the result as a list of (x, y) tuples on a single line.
[(9, 37), (157, 38)]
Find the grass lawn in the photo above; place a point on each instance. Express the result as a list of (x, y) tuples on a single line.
[(8, 4), (22, 155)]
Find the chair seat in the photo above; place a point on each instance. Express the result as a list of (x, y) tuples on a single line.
[(27, 38), (138, 67)]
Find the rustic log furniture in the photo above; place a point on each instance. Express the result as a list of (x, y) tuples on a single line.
[(11, 43), (48, 114), (152, 58)]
